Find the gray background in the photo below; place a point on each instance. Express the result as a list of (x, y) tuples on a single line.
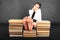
[(19, 8)]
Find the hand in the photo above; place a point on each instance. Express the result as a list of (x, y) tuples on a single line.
[(35, 8), (29, 17)]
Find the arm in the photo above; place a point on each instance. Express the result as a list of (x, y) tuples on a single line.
[(30, 12)]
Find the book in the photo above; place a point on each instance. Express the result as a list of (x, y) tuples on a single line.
[(15, 30), (15, 21), (43, 33), (27, 33), (15, 24), (16, 35), (43, 21), (43, 25), (43, 29)]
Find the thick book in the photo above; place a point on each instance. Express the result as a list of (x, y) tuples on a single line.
[(43, 33), (30, 36), (27, 31), (15, 21), (15, 27), (16, 35), (43, 21), (15, 30), (43, 25), (15, 24), (43, 29)]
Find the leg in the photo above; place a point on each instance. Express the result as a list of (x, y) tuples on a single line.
[(25, 23), (34, 24), (30, 24)]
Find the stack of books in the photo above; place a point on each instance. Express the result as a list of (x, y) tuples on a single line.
[(15, 28), (27, 33), (43, 28)]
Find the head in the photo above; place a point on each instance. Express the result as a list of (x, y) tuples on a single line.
[(37, 5)]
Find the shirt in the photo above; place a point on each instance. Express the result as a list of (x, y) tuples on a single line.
[(37, 15)]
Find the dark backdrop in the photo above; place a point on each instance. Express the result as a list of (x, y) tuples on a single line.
[(19, 8)]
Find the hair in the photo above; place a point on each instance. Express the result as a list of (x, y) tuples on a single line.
[(38, 3)]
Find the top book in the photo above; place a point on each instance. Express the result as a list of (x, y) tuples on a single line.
[(15, 20), (43, 21)]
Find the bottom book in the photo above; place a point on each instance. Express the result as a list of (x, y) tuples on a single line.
[(43, 35), (27, 33), (16, 35)]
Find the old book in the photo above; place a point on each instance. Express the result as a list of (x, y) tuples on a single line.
[(15, 21), (15, 30), (16, 35), (43, 25), (15, 24), (26, 31), (19, 25), (43, 21), (30, 36), (29, 33), (43, 33), (43, 29), (15, 27)]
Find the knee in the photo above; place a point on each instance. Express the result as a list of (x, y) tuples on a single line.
[(29, 20), (24, 20)]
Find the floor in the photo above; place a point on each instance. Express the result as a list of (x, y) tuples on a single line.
[(54, 33)]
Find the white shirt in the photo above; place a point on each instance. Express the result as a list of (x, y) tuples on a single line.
[(37, 15)]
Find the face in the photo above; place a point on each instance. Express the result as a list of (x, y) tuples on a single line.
[(36, 6)]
